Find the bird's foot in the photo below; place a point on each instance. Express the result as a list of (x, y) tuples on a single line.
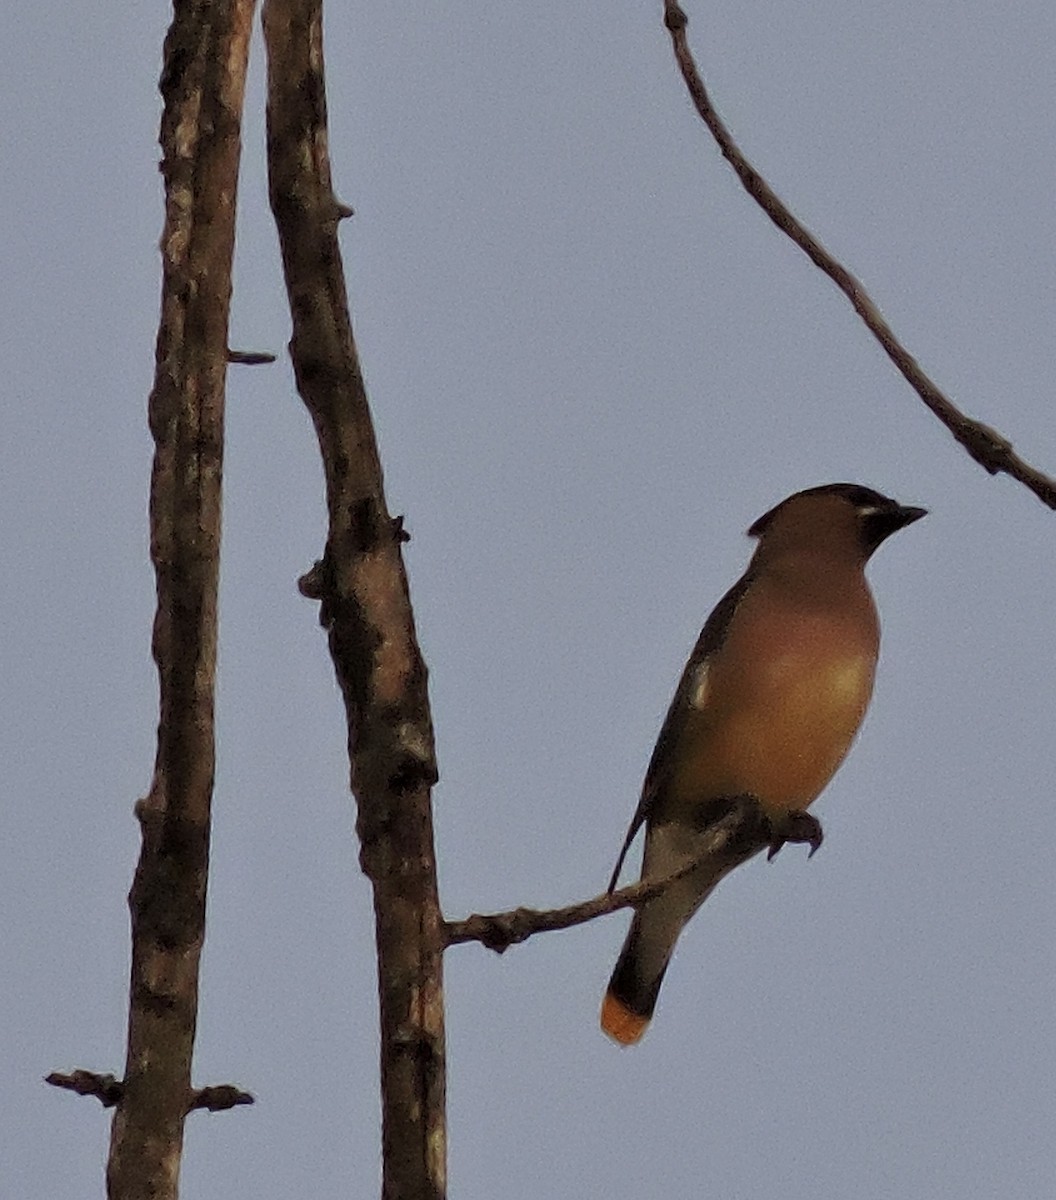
[(739, 824), (795, 827)]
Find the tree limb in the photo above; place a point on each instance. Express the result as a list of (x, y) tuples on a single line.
[(202, 84), (365, 608), (987, 446), (500, 931), (740, 828)]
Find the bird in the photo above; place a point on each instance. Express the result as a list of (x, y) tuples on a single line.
[(766, 710)]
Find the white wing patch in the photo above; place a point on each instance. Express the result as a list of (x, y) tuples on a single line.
[(698, 686)]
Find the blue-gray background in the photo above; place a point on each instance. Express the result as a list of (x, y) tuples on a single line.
[(592, 363)]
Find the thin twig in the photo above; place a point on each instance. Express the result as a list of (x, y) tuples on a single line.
[(106, 1088), (110, 1091), (499, 931), (991, 449), (219, 1097)]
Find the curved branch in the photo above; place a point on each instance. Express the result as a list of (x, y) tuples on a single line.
[(499, 931), (987, 446)]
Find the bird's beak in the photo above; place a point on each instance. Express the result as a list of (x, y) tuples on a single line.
[(881, 523), (905, 515)]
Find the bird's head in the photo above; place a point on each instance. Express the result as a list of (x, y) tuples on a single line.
[(844, 517)]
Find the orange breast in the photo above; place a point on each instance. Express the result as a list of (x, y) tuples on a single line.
[(781, 709)]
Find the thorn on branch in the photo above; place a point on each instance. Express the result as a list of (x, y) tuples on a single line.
[(249, 358), (219, 1097), (344, 211), (315, 583), (398, 532), (106, 1088)]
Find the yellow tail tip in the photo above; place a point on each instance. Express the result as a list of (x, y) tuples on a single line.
[(620, 1023)]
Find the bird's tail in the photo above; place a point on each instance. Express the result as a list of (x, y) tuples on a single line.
[(635, 984), (628, 1005), (621, 1023)]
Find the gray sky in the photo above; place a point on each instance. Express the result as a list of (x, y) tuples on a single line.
[(592, 363)]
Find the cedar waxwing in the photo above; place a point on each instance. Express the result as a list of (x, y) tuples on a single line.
[(766, 710)]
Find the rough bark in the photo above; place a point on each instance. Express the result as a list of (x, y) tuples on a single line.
[(365, 608), (202, 85)]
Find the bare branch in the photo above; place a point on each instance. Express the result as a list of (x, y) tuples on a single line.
[(987, 446), (498, 931), (90, 1083), (365, 608), (110, 1091), (219, 1097), (202, 85)]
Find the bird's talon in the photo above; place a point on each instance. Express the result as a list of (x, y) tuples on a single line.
[(798, 827)]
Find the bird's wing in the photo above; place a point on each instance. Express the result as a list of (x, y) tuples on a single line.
[(710, 641)]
